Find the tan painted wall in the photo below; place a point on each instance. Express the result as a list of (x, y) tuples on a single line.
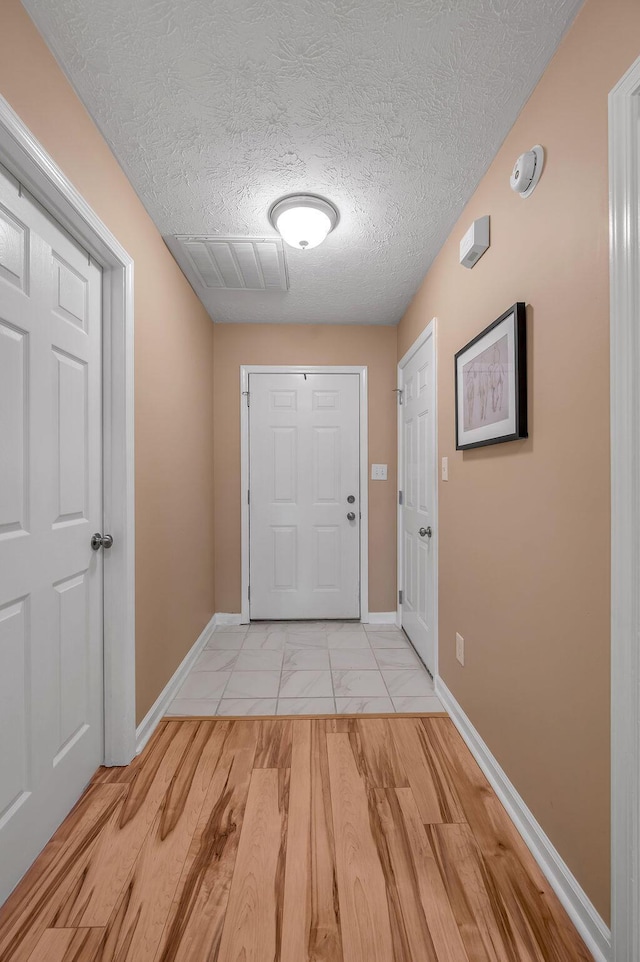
[(173, 343), (237, 344), (524, 527)]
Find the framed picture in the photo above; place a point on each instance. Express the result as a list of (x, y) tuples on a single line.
[(491, 383)]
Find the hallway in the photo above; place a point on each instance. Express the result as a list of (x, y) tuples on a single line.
[(343, 840), (306, 668)]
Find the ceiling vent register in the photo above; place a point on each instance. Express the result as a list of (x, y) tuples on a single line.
[(236, 263)]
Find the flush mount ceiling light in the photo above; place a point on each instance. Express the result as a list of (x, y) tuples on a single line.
[(303, 220)]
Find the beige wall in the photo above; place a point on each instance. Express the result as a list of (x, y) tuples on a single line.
[(173, 344), (237, 344), (524, 527)]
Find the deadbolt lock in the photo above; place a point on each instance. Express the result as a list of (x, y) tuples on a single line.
[(351, 498)]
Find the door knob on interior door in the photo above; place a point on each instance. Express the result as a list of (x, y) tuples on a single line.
[(351, 516), (425, 531), (101, 541)]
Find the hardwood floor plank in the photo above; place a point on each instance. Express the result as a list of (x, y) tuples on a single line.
[(100, 887), (36, 903), (296, 910), (310, 925), (476, 904), (135, 930), (430, 888), (433, 790), (377, 754), (537, 919), (252, 929), (411, 936), (196, 917), (67, 945), (364, 913), (274, 743)]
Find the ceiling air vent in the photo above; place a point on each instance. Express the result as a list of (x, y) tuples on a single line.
[(236, 263)]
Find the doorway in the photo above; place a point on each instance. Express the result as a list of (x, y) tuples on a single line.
[(51, 593), (304, 492), (66, 610), (417, 497)]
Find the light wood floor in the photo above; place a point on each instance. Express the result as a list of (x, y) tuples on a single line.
[(332, 840)]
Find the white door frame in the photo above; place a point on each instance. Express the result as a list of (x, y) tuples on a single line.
[(35, 170), (361, 371), (429, 331), (624, 194)]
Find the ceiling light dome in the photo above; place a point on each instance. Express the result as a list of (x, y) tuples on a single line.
[(303, 220)]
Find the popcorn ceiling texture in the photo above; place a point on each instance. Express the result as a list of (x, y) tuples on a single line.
[(393, 109)]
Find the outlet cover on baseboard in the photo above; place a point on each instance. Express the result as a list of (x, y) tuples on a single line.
[(460, 648)]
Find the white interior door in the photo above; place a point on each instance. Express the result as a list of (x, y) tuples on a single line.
[(418, 495), (304, 467), (51, 675)]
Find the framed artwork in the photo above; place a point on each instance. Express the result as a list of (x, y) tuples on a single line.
[(491, 383)]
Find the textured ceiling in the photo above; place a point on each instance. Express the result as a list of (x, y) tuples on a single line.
[(393, 109)]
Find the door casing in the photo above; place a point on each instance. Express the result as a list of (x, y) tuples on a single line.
[(624, 203), (429, 332), (34, 169), (361, 371)]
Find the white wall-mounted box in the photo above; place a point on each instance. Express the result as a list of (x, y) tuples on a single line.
[(475, 242)]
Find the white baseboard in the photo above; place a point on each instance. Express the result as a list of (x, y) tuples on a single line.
[(581, 911), (148, 725), (222, 618), (382, 618)]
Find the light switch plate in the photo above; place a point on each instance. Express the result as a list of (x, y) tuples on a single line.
[(460, 648), (445, 469), (378, 472)]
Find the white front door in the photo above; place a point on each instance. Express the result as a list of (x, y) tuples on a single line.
[(418, 516), (51, 674), (304, 495)]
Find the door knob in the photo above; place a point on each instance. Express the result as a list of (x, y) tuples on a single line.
[(425, 531), (351, 516), (101, 541)]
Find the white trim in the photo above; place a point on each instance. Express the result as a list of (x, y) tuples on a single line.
[(158, 710), (581, 911), (382, 618), (27, 160), (222, 619), (624, 199), (361, 371), (431, 330)]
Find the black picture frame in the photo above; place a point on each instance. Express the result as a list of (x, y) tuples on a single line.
[(486, 389)]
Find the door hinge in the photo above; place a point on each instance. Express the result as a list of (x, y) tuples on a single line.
[(248, 497), (399, 497), (246, 394), (400, 597), (399, 392), (249, 593)]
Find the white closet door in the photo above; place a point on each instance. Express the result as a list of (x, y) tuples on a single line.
[(304, 438), (51, 687), (418, 546)]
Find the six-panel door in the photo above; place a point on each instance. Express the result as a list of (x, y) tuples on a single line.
[(418, 519), (304, 439), (51, 672)]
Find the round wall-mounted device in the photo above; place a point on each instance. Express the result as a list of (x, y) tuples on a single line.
[(527, 171)]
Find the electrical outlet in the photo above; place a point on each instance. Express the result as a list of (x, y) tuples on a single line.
[(460, 648), (445, 469)]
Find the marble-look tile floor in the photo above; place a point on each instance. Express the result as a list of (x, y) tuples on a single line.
[(306, 668)]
